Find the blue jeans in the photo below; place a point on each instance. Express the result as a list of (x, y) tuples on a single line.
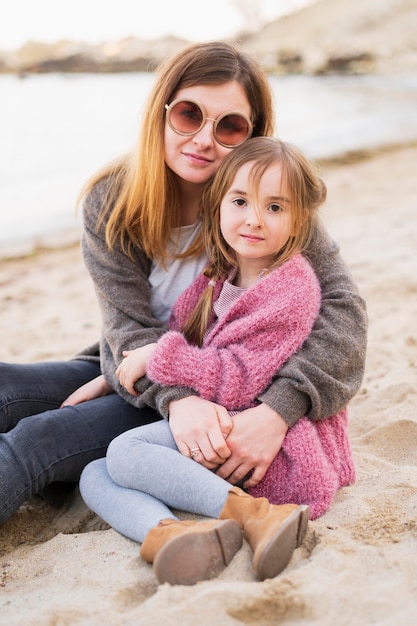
[(40, 443)]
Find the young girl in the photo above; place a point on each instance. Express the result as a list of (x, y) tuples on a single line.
[(142, 247), (230, 332)]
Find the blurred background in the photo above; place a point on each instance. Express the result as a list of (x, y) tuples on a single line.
[(74, 77)]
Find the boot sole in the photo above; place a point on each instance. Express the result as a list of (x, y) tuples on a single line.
[(304, 516), (279, 549), (195, 556)]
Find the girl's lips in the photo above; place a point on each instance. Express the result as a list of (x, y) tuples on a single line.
[(251, 238), (197, 158)]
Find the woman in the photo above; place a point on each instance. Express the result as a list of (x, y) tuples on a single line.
[(142, 247)]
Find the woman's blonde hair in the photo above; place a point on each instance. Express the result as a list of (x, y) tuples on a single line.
[(307, 192), (142, 203)]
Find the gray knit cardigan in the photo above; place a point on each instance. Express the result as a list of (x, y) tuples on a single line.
[(317, 381)]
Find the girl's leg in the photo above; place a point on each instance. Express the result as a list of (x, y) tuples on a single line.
[(37, 387), (132, 513), (146, 459), (56, 445), (196, 550), (147, 475)]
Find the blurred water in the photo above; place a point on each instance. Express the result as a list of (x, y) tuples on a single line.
[(57, 129)]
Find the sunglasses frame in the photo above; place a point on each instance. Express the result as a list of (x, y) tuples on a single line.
[(216, 121)]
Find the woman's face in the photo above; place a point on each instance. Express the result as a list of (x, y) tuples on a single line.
[(196, 158)]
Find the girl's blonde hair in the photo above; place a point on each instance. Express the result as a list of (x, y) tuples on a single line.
[(142, 202), (306, 190)]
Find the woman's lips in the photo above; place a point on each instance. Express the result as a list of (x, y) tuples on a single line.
[(196, 158)]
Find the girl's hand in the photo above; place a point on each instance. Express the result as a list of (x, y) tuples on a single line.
[(96, 388), (254, 442), (133, 367), (198, 424)]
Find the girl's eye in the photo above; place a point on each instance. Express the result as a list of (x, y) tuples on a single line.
[(275, 208), (239, 202)]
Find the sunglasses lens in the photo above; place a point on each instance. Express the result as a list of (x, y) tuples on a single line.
[(232, 130), (186, 117)]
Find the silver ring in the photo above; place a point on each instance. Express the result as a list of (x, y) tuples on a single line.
[(194, 452)]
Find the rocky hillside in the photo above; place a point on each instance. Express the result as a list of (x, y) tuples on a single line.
[(127, 55), (329, 36), (341, 36)]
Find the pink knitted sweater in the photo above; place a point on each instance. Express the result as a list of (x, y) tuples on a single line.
[(238, 359), (243, 351)]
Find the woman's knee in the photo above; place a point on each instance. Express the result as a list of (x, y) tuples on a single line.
[(12, 386), (31, 389), (5, 373)]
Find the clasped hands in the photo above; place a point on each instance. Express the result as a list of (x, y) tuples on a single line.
[(236, 447)]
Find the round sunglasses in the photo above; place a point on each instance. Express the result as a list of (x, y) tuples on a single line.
[(187, 117)]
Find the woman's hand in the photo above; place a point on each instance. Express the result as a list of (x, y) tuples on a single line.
[(203, 426), (255, 440), (96, 388)]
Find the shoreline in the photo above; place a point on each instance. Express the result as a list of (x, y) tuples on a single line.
[(32, 246)]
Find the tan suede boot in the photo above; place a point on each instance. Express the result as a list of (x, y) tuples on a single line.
[(184, 552), (272, 531)]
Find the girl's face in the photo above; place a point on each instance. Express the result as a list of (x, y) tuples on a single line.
[(256, 223), (196, 158)]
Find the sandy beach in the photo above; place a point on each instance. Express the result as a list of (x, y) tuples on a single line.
[(357, 564)]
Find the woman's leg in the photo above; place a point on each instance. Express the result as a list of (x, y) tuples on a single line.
[(37, 387), (56, 445)]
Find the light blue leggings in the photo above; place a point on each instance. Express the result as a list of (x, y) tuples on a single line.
[(144, 474)]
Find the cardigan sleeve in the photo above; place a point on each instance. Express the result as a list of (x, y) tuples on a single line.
[(324, 375), (123, 293)]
